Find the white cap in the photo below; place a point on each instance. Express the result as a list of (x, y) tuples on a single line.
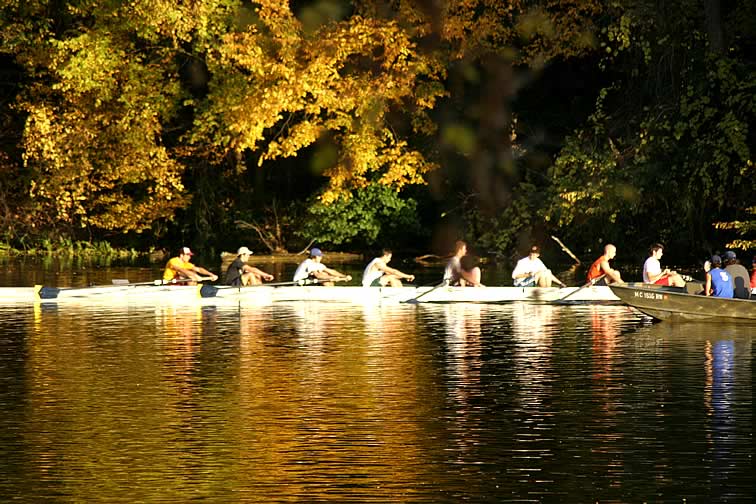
[(244, 250)]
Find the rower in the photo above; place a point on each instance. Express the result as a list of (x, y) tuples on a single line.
[(471, 273), (180, 269), (457, 276), (531, 272), (313, 269), (242, 274), (601, 270), (378, 274)]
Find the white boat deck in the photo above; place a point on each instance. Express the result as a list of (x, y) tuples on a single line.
[(130, 294)]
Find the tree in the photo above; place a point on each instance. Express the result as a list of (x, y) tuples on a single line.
[(668, 153)]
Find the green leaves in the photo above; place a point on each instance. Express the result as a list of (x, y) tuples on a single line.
[(373, 216)]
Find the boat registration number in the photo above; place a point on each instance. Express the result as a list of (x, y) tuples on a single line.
[(648, 295)]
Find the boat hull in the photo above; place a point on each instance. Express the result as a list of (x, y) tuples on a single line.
[(669, 304), (347, 294)]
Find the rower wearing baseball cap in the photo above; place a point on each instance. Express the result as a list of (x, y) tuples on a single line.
[(313, 269), (241, 274), (180, 269)]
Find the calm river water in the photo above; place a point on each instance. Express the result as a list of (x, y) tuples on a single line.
[(327, 402)]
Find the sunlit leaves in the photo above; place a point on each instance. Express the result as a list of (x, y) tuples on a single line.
[(279, 88), (96, 155)]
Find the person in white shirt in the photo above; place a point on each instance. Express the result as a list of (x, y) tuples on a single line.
[(653, 272), (313, 269), (531, 272), (378, 274)]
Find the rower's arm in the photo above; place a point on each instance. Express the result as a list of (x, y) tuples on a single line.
[(392, 271), (610, 272), (203, 271), (183, 272), (335, 274), (707, 289)]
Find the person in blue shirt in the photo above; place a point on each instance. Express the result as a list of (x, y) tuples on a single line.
[(718, 281)]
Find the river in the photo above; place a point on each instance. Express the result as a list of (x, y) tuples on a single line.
[(328, 402)]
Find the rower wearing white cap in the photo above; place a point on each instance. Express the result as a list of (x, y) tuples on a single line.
[(313, 269), (241, 274), (180, 269)]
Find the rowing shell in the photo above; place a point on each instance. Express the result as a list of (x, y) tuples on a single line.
[(266, 294)]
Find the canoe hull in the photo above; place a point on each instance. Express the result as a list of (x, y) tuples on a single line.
[(669, 304)]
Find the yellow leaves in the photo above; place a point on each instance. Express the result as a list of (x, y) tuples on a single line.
[(300, 135), (279, 88), (365, 154), (102, 166)]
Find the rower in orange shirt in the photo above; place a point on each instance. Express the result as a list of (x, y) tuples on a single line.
[(601, 267)]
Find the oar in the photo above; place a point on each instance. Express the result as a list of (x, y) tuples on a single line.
[(121, 282), (276, 284), (583, 287), (445, 281), (564, 247), (311, 281)]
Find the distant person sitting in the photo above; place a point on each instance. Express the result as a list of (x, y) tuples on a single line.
[(471, 273), (240, 273), (600, 272), (741, 281), (531, 272), (718, 281), (180, 269), (753, 276), (653, 272), (379, 274), (313, 269)]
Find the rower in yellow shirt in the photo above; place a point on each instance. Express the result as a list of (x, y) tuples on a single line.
[(180, 269)]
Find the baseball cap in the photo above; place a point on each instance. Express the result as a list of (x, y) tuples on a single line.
[(315, 252), (244, 250), (729, 255), (715, 259), (186, 250)]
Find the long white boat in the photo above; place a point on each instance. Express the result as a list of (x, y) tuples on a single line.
[(133, 293)]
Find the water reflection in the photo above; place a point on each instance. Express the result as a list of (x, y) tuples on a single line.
[(405, 403)]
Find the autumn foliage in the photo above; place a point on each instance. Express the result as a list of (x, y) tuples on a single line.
[(121, 104)]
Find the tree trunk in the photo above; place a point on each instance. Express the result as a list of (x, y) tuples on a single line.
[(713, 11)]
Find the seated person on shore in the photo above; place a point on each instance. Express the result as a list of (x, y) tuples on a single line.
[(653, 272), (313, 269), (741, 281), (531, 272), (379, 274), (470, 265), (242, 274), (601, 267), (180, 270), (718, 281)]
